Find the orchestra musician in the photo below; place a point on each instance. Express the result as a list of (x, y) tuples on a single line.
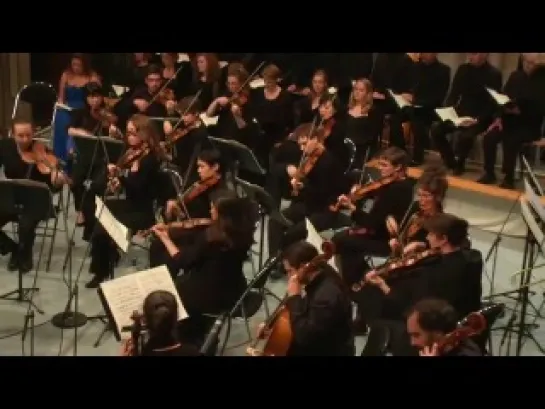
[(363, 124), (170, 67), (381, 77), (428, 324), (518, 122), (316, 183), (369, 235), (452, 273), (431, 86), (141, 62), (22, 157), (93, 119), (71, 94), (137, 173), (212, 262), (306, 109), (320, 320), (160, 316), (144, 99), (348, 67), (469, 97), (206, 78), (332, 122)]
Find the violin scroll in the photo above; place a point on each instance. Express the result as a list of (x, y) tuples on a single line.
[(473, 324)]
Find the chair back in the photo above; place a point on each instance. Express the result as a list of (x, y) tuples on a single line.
[(41, 97), (351, 147)]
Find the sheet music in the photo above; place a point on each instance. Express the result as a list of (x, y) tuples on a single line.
[(117, 231), (449, 114), (63, 106), (183, 57), (399, 100), (223, 64), (257, 83), (208, 121), (534, 200), (500, 99), (119, 90), (314, 238), (531, 221), (332, 90), (126, 294)]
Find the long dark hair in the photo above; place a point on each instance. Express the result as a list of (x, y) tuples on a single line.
[(161, 317), (237, 218)]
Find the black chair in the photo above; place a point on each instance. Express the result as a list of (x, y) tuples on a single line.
[(378, 340), (351, 147), (41, 97)]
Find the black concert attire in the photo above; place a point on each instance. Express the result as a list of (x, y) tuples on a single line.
[(136, 212), (402, 81), (369, 236), (212, 282), (381, 78), (88, 170), (155, 109), (275, 118), (322, 186), (168, 347), (528, 94), (430, 91), (198, 208), (228, 128), (468, 95), (16, 168), (334, 143), (348, 67), (180, 83), (210, 90), (305, 112), (364, 131), (321, 321)]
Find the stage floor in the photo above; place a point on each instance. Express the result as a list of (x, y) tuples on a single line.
[(53, 295)]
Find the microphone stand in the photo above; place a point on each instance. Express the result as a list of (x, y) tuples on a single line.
[(29, 326)]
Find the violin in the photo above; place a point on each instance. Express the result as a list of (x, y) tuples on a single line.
[(307, 164), (179, 227), (473, 324), (396, 266), (39, 155), (362, 191), (132, 345), (240, 98), (197, 189), (327, 127), (178, 134), (279, 325), (126, 160), (165, 95)]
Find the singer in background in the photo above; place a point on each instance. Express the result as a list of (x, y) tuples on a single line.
[(321, 320), (161, 321), (12, 153), (89, 120), (213, 278), (138, 179)]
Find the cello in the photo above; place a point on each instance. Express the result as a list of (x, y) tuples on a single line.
[(278, 326)]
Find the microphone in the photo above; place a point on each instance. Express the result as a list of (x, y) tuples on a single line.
[(213, 336)]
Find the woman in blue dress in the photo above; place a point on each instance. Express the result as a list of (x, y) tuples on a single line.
[(72, 95)]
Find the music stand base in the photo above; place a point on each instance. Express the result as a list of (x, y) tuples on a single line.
[(69, 319), (22, 295)]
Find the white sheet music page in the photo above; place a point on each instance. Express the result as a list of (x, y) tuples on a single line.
[(126, 294), (117, 231), (399, 100), (257, 83), (183, 57), (534, 200), (314, 238), (500, 99), (449, 114), (209, 121), (119, 90)]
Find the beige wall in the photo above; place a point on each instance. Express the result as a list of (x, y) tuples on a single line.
[(506, 62), (14, 73)]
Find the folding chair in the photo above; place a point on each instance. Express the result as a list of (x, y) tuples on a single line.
[(42, 98)]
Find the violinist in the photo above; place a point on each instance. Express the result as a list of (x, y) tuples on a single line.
[(428, 324), (235, 117), (454, 276), (306, 109), (93, 120), (212, 262), (174, 71), (144, 98), (369, 235), (363, 124), (19, 157), (321, 319), (206, 77), (332, 120), (160, 316), (189, 137), (317, 182), (138, 177)]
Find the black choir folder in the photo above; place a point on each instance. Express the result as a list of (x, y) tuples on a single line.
[(124, 295)]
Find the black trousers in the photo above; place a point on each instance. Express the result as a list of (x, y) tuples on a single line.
[(281, 236), (397, 138), (104, 254), (421, 133), (466, 139), (511, 146), (26, 232)]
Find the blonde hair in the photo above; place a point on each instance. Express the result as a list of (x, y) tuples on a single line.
[(146, 131), (366, 104)]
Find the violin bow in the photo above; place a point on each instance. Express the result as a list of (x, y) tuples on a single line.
[(166, 84), (195, 99)]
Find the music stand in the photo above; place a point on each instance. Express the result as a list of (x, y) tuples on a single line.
[(238, 157), (21, 198), (266, 208), (90, 150)]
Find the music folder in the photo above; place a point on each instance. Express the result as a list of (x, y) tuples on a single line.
[(450, 114)]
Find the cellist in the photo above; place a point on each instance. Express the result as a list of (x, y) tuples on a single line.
[(369, 235), (321, 320), (315, 184)]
